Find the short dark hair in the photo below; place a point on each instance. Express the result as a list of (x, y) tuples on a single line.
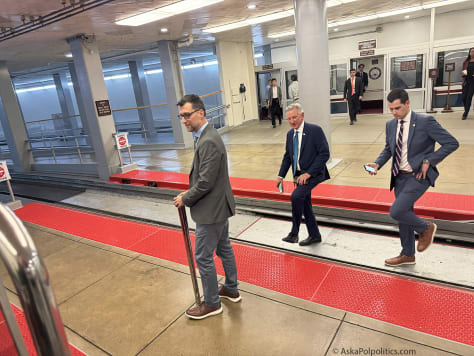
[(294, 77), (273, 79), (361, 65), (398, 94), (352, 70), (195, 101)]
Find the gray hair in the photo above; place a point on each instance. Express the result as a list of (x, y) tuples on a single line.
[(297, 106)]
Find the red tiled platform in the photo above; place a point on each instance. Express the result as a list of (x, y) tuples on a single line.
[(7, 347), (435, 205), (438, 310)]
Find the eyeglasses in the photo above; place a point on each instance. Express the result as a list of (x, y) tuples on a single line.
[(187, 115)]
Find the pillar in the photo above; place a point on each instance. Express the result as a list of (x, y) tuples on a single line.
[(142, 97), (65, 102), (13, 123), (312, 54), (174, 86), (79, 101), (92, 88)]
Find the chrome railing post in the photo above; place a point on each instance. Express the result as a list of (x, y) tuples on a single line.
[(31, 280), (78, 150)]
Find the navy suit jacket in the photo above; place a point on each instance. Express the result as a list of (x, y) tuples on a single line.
[(424, 132), (314, 153)]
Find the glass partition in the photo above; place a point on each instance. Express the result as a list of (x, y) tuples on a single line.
[(337, 77), (407, 72), (457, 57)]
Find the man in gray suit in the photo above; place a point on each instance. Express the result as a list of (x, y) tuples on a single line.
[(212, 203), (410, 141)]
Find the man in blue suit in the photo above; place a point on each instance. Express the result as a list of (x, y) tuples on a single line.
[(410, 142), (307, 152)]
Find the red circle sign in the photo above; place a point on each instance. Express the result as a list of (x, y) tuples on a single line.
[(2, 172), (122, 141)]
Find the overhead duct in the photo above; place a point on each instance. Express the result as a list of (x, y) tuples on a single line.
[(52, 17)]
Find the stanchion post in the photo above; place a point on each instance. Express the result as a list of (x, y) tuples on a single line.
[(448, 68), (189, 252)]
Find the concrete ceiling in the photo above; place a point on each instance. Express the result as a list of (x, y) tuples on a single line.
[(45, 47)]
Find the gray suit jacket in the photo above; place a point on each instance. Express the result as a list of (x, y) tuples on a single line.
[(424, 132), (270, 95), (210, 194)]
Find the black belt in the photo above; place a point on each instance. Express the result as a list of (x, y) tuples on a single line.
[(405, 172)]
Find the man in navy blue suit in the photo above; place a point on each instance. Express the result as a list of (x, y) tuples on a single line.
[(307, 152), (410, 143)]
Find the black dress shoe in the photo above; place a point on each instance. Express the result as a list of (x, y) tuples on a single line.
[(291, 238), (464, 116), (310, 240)]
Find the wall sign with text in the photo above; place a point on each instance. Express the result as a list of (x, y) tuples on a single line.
[(103, 108)]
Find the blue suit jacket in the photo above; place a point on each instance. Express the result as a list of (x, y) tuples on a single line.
[(314, 153), (424, 132)]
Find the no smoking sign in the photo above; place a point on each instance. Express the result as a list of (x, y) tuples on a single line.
[(4, 175)]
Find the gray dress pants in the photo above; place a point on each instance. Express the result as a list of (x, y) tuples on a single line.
[(407, 191), (210, 238)]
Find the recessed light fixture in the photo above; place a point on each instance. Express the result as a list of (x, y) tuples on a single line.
[(407, 17), (68, 55), (281, 34), (164, 30), (258, 55), (252, 7), (336, 29), (251, 21), (163, 12)]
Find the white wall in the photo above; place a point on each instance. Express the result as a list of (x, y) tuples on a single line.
[(400, 34), (236, 66)]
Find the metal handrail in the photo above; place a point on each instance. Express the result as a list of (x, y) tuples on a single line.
[(31, 279)]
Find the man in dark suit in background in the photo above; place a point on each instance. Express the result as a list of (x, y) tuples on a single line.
[(363, 75), (307, 152), (410, 142), (212, 203), (353, 92)]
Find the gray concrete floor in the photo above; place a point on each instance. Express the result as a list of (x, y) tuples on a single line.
[(255, 150), (114, 302)]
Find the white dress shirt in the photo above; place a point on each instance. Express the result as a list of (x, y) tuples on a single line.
[(275, 93), (404, 165), (300, 139), (293, 91)]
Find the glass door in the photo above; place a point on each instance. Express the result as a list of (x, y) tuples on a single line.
[(408, 72)]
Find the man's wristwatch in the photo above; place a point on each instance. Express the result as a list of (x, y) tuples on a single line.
[(426, 161)]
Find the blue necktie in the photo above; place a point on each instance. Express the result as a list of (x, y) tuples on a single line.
[(295, 152)]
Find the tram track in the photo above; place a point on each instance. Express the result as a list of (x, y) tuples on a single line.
[(275, 210)]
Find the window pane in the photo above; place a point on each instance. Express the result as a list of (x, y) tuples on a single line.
[(457, 57), (407, 72), (337, 78)]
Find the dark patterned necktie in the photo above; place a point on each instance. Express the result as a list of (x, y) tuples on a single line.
[(295, 152), (398, 151)]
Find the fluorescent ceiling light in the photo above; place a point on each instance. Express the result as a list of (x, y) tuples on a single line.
[(258, 55), (251, 21), (395, 12), (163, 12), (282, 34), (35, 89), (331, 3), (164, 30), (252, 7), (68, 55), (442, 3)]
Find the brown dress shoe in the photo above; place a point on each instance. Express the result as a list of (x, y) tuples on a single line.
[(400, 260), (233, 297), (427, 237), (203, 311)]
